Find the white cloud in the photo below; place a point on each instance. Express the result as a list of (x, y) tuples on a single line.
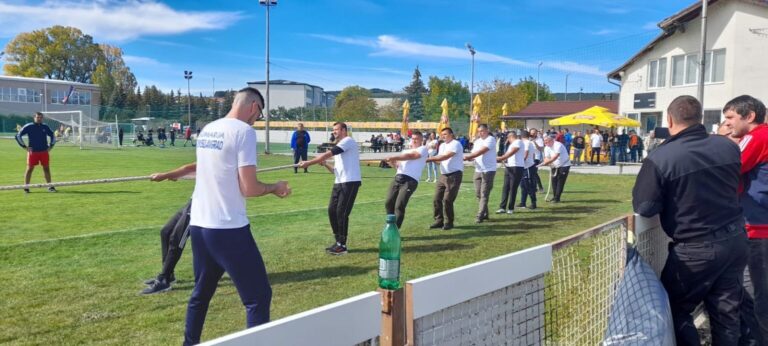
[(109, 20), (141, 60), (650, 26), (386, 45), (605, 32)]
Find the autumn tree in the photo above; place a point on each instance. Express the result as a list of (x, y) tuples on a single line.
[(494, 95), (354, 103), (528, 86)]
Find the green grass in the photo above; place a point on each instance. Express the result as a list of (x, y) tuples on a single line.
[(72, 263)]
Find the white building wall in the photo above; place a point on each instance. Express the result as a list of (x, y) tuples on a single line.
[(727, 26)]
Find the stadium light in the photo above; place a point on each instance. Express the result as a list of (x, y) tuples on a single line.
[(267, 4), (188, 76), (472, 83)]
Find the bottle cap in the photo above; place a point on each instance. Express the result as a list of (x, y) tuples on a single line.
[(391, 218)]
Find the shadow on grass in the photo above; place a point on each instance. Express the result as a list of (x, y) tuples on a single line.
[(94, 192), (480, 233), (544, 217), (291, 276), (422, 248)]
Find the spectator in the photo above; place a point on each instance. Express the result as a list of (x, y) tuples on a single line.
[(634, 145), (623, 141), (578, 148), (568, 140), (300, 145), (37, 148), (432, 145), (596, 142)]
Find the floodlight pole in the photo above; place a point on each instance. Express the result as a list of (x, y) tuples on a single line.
[(538, 78), (188, 76), (566, 86), (267, 4), (472, 83)]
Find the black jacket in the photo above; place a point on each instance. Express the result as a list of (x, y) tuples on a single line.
[(691, 180)]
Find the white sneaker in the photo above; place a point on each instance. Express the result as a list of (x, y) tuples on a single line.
[(510, 212), (501, 211)]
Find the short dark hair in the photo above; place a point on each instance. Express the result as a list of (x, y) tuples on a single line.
[(450, 130), (744, 104), (417, 133), (253, 91), (525, 134), (482, 126), (685, 110), (40, 114), (342, 124)]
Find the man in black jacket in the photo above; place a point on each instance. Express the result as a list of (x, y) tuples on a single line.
[(691, 181)]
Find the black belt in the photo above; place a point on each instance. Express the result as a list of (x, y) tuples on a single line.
[(453, 173), (720, 233)]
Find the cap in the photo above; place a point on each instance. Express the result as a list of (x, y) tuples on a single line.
[(391, 218)]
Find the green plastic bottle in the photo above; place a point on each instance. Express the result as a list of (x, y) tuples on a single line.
[(389, 255)]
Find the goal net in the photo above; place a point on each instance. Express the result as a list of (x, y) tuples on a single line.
[(79, 129)]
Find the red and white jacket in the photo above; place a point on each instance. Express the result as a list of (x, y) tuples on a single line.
[(754, 181)]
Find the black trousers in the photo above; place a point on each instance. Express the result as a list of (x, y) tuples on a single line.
[(400, 191), (340, 206), (535, 174), (299, 154), (709, 271), (512, 178), (173, 237), (754, 308), (559, 176), (595, 151), (528, 186), (446, 190)]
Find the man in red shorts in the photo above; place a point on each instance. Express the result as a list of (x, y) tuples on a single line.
[(38, 148)]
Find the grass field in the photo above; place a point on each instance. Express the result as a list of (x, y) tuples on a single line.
[(72, 263)]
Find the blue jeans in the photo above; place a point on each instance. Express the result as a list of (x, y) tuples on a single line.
[(234, 251), (432, 169)]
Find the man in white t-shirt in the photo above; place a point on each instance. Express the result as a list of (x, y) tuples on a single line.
[(514, 161), (484, 155), (221, 236), (450, 155), (596, 142), (346, 169), (528, 185), (538, 142), (556, 156), (409, 165)]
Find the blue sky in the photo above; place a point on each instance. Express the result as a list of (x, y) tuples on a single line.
[(337, 43)]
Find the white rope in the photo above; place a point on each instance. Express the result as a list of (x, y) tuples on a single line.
[(549, 186), (110, 180)]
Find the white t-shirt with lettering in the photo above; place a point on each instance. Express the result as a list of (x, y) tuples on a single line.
[(531, 149), (456, 162), (558, 148), (517, 159), (223, 146), (413, 168), (487, 161), (346, 166)]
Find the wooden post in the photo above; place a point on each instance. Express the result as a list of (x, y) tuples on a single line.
[(392, 317), (410, 324)]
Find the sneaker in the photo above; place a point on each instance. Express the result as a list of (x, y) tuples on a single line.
[(533, 207), (157, 287), (501, 211), (479, 220), (436, 225), (153, 280), (328, 249), (26, 190), (510, 212), (338, 250), (447, 226), (52, 189), (520, 205)]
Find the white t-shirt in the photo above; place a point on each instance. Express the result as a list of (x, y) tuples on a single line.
[(455, 163), (539, 142), (432, 146), (346, 166), (596, 140), (558, 148), (487, 161), (223, 146), (531, 149), (413, 168), (517, 159)]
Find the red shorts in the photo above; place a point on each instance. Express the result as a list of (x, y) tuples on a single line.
[(37, 157)]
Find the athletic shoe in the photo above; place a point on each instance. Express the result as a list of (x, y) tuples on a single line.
[(533, 207), (510, 212), (436, 225), (52, 189), (338, 250), (447, 226), (157, 287), (479, 220), (501, 211), (520, 205), (151, 282), (328, 249), (26, 190)]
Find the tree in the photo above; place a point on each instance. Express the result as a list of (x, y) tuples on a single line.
[(414, 94), (57, 52), (393, 111), (451, 89), (494, 95), (528, 86), (354, 103)]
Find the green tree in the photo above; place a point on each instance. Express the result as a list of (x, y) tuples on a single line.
[(394, 111), (414, 94), (57, 52), (354, 103), (528, 86), (451, 89), (494, 95)]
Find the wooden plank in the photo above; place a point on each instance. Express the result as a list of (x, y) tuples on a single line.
[(345, 322), (392, 317), (436, 292), (410, 324)]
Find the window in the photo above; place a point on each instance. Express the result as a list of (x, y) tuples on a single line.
[(22, 95), (77, 97), (685, 68), (711, 118), (657, 73)]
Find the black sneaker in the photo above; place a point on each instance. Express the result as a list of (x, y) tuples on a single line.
[(328, 249), (52, 189), (520, 205), (338, 250), (157, 287), (151, 282), (533, 207), (447, 226), (436, 225), (26, 190)]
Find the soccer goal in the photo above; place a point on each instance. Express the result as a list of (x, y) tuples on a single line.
[(79, 129)]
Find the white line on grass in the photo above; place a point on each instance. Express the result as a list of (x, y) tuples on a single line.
[(156, 226)]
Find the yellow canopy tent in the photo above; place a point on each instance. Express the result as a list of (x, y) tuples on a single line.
[(444, 118), (474, 121), (595, 115), (406, 110)]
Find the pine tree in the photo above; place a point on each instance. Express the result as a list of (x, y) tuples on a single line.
[(415, 93)]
